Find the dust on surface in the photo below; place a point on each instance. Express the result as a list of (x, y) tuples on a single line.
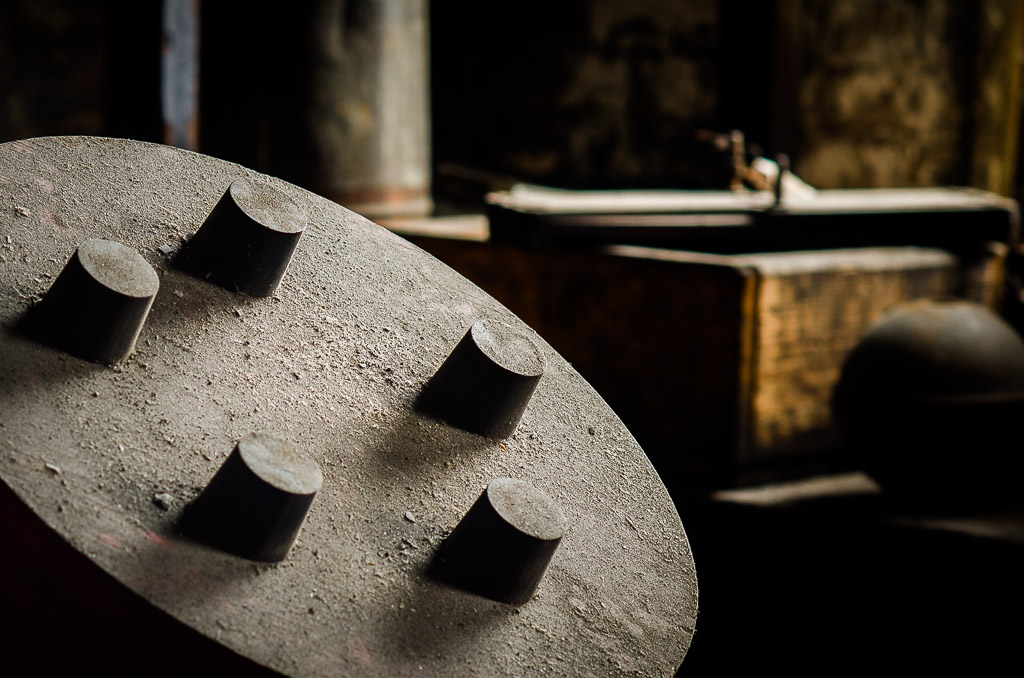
[(512, 349), (118, 268), (332, 363)]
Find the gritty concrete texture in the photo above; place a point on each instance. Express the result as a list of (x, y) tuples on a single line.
[(107, 457)]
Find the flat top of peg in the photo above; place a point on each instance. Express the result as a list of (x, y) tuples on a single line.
[(280, 464), (118, 268), (268, 206), (507, 347), (526, 508)]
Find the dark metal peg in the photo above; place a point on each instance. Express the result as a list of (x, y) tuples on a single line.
[(256, 503), (486, 382), (504, 544), (247, 241), (98, 304)]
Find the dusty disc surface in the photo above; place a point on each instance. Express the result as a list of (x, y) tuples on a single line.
[(332, 363)]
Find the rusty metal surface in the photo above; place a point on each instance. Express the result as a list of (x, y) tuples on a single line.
[(332, 363)]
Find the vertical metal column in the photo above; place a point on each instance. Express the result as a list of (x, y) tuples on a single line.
[(179, 73), (369, 111)]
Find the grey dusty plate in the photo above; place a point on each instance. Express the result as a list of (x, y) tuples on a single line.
[(107, 455)]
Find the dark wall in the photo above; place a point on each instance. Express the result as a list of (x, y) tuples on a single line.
[(584, 93), (89, 67), (592, 93), (51, 59)]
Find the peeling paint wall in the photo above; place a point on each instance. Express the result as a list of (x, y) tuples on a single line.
[(884, 92), (878, 93)]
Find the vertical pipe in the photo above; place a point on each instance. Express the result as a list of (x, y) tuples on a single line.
[(179, 73), (369, 110)]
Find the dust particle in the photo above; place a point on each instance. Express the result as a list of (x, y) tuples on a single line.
[(163, 501)]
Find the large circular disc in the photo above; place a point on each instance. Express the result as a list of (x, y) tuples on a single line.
[(107, 457)]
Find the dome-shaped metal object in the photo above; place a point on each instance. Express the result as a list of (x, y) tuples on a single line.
[(932, 400), (98, 463)]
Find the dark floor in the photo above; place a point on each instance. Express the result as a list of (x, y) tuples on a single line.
[(816, 578)]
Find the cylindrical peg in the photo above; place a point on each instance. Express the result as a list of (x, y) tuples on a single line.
[(503, 545), (256, 503), (98, 304), (247, 241), (486, 382)]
